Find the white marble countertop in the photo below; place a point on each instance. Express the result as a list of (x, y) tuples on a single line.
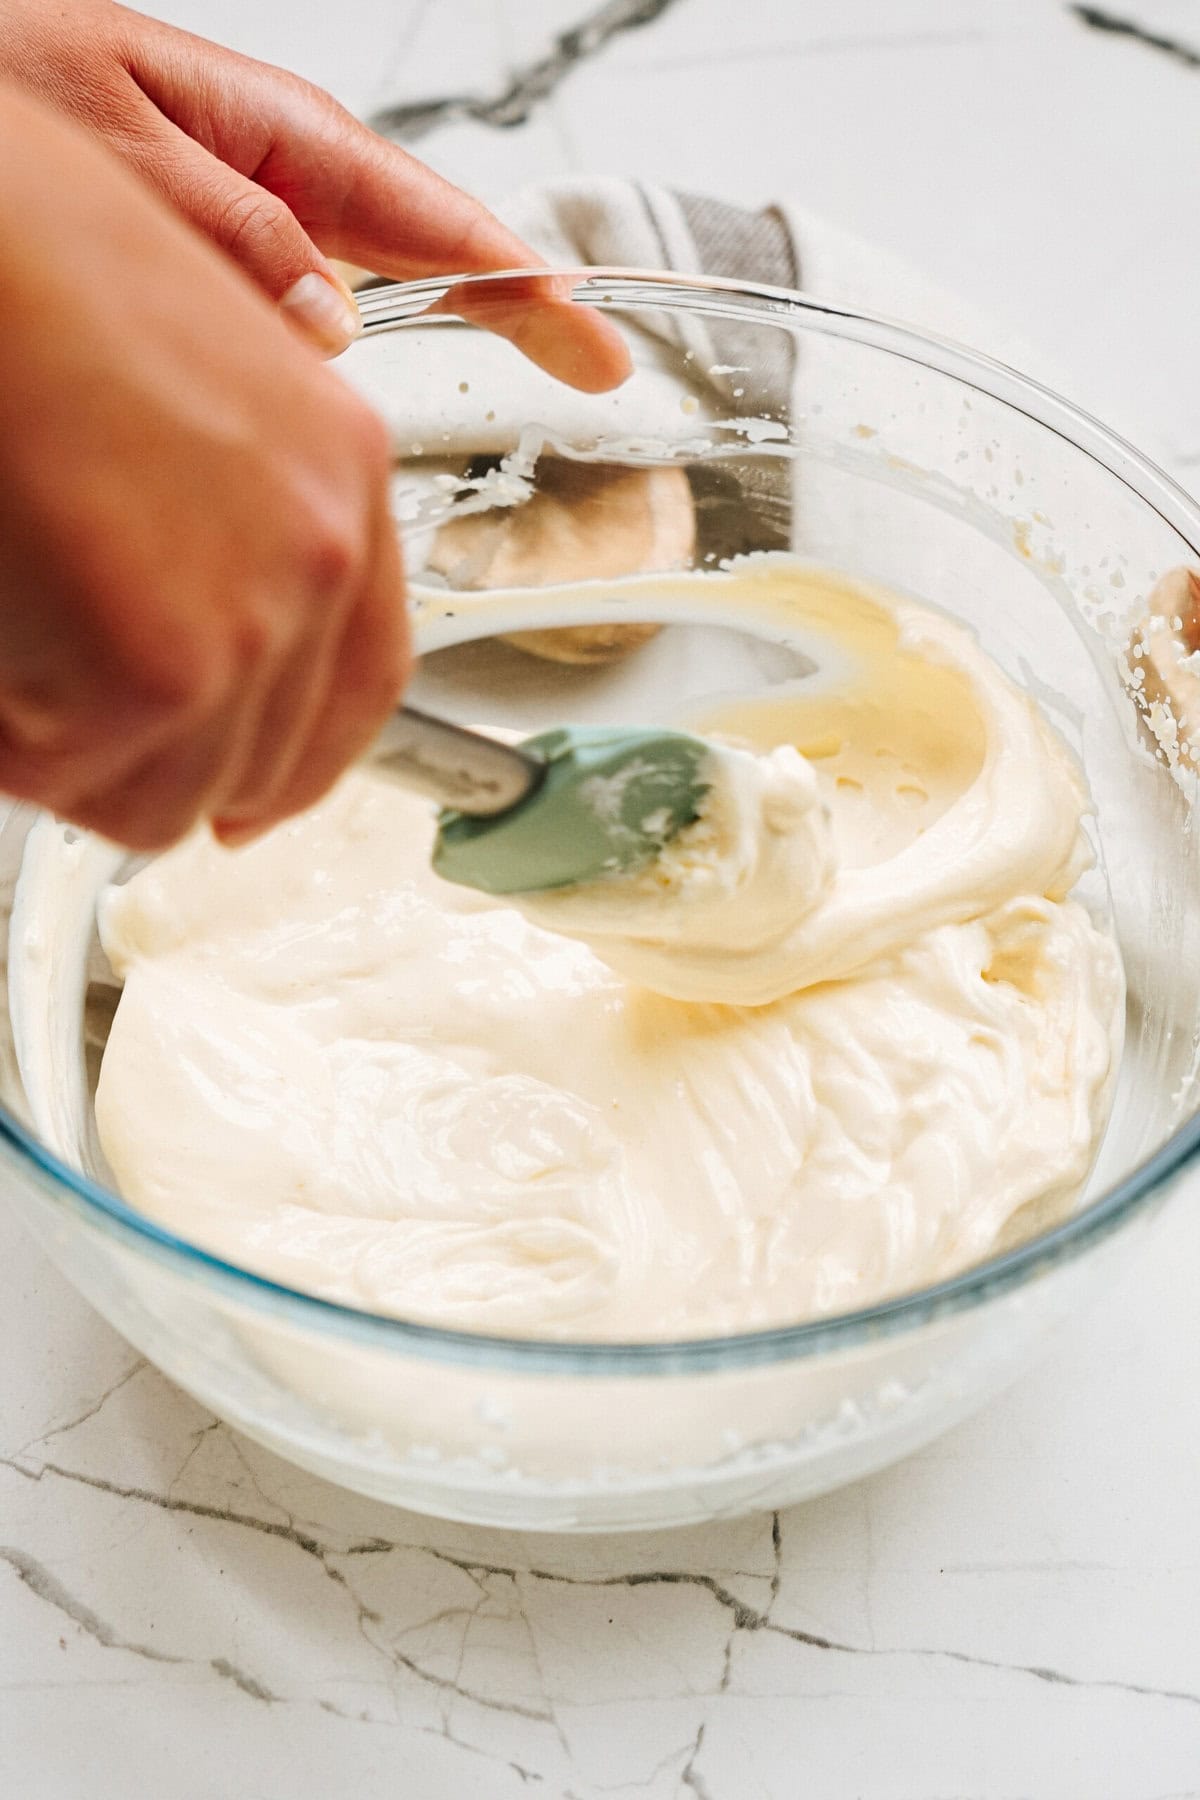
[(1011, 1615)]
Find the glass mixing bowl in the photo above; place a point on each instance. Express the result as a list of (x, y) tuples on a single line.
[(865, 446)]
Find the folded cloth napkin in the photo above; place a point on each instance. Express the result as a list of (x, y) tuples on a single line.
[(625, 224)]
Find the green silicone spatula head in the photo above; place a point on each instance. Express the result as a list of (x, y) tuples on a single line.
[(565, 807), (610, 798)]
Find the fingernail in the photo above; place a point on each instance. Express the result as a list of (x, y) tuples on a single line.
[(323, 308)]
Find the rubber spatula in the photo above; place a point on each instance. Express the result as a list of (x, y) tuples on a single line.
[(554, 810)]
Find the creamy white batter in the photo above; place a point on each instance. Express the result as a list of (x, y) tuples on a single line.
[(883, 1038)]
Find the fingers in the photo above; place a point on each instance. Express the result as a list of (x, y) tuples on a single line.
[(134, 770), (158, 801), (200, 153), (366, 678), (369, 202), (282, 177), (268, 742), (200, 595), (280, 722), (251, 764), (258, 231), (252, 226), (575, 344), (359, 198)]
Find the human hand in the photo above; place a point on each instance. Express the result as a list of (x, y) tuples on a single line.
[(282, 177), (201, 602)]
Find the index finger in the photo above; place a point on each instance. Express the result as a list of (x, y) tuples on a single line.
[(367, 201)]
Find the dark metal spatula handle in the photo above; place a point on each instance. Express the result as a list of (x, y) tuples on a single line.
[(454, 766)]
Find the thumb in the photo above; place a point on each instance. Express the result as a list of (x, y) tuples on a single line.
[(262, 234)]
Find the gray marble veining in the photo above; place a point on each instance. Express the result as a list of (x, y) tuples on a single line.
[(526, 87), (1097, 19)]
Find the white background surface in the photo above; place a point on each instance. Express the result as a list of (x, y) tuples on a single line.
[(1011, 1614)]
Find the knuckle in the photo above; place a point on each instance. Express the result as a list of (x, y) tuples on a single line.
[(256, 638), (331, 552), (249, 222), (194, 673), (179, 680)]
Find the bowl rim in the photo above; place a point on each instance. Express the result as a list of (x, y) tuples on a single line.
[(385, 308)]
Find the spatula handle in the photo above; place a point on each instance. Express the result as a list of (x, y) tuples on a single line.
[(456, 767)]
